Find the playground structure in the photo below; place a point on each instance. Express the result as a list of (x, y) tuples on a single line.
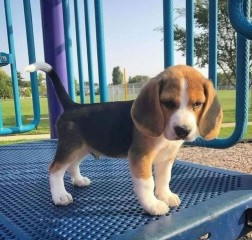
[(215, 202)]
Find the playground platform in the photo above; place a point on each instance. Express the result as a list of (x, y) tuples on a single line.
[(216, 203)]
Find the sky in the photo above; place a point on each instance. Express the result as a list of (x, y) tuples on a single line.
[(130, 39)]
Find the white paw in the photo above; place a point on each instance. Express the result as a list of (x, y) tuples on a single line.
[(156, 207), (63, 198), (170, 198), (81, 182)]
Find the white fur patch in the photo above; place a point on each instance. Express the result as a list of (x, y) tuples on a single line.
[(162, 181), (144, 190), (182, 117), (76, 177), (59, 194), (166, 150), (183, 94), (45, 67)]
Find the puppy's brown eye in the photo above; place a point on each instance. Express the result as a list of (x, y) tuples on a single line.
[(170, 104), (197, 105)]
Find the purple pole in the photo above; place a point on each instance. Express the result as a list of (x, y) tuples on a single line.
[(54, 50)]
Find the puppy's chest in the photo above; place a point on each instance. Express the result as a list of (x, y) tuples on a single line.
[(167, 150)]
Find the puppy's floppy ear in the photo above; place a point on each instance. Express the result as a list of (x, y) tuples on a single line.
[(211, 117), (146, 111)]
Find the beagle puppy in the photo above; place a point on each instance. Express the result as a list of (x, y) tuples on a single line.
[(177, 105)]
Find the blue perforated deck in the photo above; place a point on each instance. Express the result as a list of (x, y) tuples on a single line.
[(108, 208)]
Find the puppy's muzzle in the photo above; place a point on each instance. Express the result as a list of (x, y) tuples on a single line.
[(182, 132)]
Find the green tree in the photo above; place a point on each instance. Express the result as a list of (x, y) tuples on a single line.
[(25, 92), (41, 84), (138, 78), (226, 38), (42, 90), (21, 82), (5, 85), (117, 76), (222, 80), (20, 78), (40, 78), (77, 87)]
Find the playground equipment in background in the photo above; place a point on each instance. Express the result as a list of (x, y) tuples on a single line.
[(9, 58)]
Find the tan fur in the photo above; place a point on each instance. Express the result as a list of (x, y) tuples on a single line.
[(55, 167), (146, 151), (141, 167), (211, 118), (141, 155), (146, 111)]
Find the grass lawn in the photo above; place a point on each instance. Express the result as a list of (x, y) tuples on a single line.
[(226, 97), (227, 100), (27, 114), (227, 131)]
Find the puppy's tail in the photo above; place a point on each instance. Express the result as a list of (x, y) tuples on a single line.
[(61, 93)]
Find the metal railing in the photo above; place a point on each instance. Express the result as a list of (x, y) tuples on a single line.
[(64, 34), (10, 59), (242, 60)]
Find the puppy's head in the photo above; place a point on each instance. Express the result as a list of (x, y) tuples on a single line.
[(180, 104)]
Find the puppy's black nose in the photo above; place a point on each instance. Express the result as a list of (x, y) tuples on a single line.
[(182, 131)]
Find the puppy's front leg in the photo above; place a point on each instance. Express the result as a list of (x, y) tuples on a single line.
[(162, 180), (141, 171)]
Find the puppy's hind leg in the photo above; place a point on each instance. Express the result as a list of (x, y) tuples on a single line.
[(74, 170), (67, 158), (56, 177)]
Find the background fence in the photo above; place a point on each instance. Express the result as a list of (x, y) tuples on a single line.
[(124, 92)]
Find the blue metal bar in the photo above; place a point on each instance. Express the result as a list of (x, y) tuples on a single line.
[(242, 93), (89, 52), (238, 19), (168, 33), (190, 32), (12, 130), (54, 49), (68, 46), (32, 59), (13, 65), (101, 50), (79, 51), (1, 116), (212, 41), (242, 87), (12, 61)]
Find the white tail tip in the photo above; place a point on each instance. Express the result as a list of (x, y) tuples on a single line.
[(45, 67)]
